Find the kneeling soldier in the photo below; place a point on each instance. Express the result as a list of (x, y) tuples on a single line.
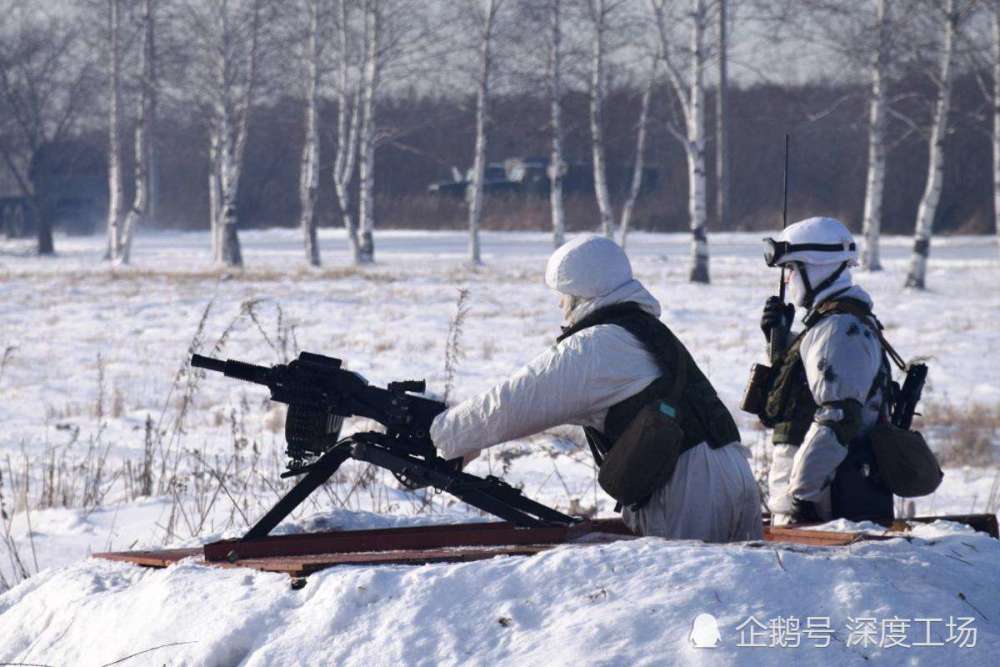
[(828, 389), (668, 449)]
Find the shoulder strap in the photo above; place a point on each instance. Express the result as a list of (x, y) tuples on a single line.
[(631, 317), (863, 312), (662, 355)]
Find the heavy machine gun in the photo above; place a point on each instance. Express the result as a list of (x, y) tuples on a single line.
[(320, 393)]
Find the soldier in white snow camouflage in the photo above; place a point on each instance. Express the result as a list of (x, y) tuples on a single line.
[(828, 389), (592, 377)]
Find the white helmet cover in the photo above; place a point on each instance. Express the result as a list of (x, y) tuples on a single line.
[(588, 267), (815, 241)]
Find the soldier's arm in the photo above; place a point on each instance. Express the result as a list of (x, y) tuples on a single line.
[(585, 373)]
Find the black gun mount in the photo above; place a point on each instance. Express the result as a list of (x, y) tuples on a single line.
[(320, 393)]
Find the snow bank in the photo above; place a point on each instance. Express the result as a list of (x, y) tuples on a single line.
[(620, 604)]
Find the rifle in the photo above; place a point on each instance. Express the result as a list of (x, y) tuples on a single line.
[(777, 341), (904, 405), (320, 393), (754, 398)]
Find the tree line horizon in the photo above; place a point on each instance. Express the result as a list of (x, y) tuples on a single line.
[(235, 114)]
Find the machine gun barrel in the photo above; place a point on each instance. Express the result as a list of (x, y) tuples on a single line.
[(240, 370)]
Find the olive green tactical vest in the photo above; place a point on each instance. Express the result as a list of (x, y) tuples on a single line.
[(790, 407), (700, 413)]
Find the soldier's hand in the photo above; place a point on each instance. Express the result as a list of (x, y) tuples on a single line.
[(777, 314)]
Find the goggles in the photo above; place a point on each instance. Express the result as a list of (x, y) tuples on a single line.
[(774, 251)]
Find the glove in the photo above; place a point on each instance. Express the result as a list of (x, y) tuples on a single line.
[(776, 315), (804, 511)]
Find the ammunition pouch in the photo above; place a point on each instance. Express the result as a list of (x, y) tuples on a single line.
[(907, 465), (644, 457), (755, 395), (643, 436)]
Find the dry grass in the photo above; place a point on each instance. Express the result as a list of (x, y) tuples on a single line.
[(453, 350), (207, 493), (966, 435), (198, 278)]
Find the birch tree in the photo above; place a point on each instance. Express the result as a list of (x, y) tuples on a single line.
[(309, 172), (48, 79), (348, 110), (144, 133), (917, 275), (722, 157), (557, 165), (485, 15), (116, 179), (373, 24), (226, 41), (874, 184), (689, 90), (599, 12), (640, 150), (393, 36), (862, 34)]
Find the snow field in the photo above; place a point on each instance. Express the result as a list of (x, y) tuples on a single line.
[(92, 352)]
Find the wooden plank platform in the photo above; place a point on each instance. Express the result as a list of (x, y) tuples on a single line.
[(498, 533), (307, 564), (302, 554)]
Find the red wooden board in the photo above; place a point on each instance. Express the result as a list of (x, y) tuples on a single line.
[(303, 554)]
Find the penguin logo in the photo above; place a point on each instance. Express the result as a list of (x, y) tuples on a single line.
[(705, 632)]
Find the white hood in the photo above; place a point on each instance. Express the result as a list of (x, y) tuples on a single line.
[(630, 291), (588, 267)]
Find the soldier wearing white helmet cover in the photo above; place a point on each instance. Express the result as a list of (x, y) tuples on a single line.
[(599, 375), (828, 388)]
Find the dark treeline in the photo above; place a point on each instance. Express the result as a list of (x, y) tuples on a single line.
[(430, 135)]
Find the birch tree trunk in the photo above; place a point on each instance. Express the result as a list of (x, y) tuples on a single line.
[(872, 225), (143, 134), (696, 147), (722, 162), (917, 276), (214, 190), (996, 117), (232, 149), (557, 167), (598, 11), (236, 80), (640, 149), (689, 90), (229, 250), (116, 183), (348, 109), (366, 175), (474, 194), (309, 173)]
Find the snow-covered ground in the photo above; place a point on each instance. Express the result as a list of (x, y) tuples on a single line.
[(97, 408)]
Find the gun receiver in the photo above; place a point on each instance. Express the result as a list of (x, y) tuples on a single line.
[(905, 405), (320, 393)]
